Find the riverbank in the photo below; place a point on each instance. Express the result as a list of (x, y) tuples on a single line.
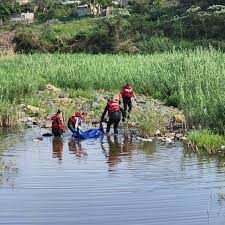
[(150, 118), (193, 84)]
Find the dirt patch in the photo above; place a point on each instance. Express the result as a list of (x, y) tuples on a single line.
[(6, 40)]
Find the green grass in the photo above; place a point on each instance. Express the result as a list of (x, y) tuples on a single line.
[(194, 81), (206, 140), (72, 28)]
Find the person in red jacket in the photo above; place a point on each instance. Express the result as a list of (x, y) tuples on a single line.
[(57, 124), (74, 122), (127, 93), (114, 112)]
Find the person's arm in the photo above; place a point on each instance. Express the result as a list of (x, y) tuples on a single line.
[(77, 124), (103, 114), (71, 125), (135, 97)]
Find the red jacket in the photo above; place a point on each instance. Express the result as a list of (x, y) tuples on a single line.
[(113, 106), (127, 92), (57, 121), (73, 119)]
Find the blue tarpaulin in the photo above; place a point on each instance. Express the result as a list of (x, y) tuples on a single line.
[(92, 133)]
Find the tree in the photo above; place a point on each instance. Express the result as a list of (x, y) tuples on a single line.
[(7, 7), (44, 5), (201, 3)]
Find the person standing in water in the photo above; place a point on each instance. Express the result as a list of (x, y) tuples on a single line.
[(57, 124), (114, 111), (126, 94), (74, 122)]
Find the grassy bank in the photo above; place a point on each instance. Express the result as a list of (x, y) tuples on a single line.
[(207, 141), (191, 80)]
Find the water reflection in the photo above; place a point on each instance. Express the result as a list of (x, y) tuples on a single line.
[(203, 159), (115, 150), (76, 148), (57, 147)]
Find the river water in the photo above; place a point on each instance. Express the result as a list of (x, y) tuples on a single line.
[(109, 181)]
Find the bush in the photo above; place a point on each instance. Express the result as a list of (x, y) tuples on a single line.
[(156, 44), (30, 42)]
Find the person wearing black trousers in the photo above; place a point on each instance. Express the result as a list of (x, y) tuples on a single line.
[(127, 93), (115, 112)]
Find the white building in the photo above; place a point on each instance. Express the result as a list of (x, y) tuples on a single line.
[(23, 17), (23, 2)]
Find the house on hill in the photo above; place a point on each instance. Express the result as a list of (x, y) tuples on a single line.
[(23, 17), (23, 2)]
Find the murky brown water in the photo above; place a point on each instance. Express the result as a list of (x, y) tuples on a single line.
[(109, 181)]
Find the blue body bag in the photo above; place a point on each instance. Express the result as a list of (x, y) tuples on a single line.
[(92, 133)]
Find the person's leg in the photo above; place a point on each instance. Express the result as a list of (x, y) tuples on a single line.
[(129, 103), (117, 117), (116, 123), (125, 106), (55, 132), (109, 123)]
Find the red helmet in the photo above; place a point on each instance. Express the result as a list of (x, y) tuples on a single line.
[(77, 114)]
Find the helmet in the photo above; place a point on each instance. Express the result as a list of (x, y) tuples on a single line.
[(77, 114)]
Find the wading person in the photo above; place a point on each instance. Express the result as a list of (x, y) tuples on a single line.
[(57, 124), (114, 112), (127, 93), (74, 122)]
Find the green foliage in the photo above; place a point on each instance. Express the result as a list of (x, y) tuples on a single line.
[(206, 139), (30, 42), (148, 121), (7, 7), (72, 28), (156, 44)]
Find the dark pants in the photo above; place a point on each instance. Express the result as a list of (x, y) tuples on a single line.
[(114, 118), (127, 103), (57, 132)]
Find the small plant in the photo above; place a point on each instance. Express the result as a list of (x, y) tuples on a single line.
[(206, 140)]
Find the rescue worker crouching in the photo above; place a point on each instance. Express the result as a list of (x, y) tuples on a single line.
[(57, 124), (127, 93), (74, 122), (114, 112)]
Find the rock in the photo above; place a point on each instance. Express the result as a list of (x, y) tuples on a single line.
[(157, 132), (145, 139), (222, 147), (29, 122), (22, 106), (131, 124), (86, 106), (179, 135), (38, 139), (161, 138), (52, 88), (170, 135), (168, 140), (46, 124), (33, 109), (183, 138), (66, 101), (61, 95)]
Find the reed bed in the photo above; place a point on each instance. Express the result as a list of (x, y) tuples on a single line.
[(192, 80)]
